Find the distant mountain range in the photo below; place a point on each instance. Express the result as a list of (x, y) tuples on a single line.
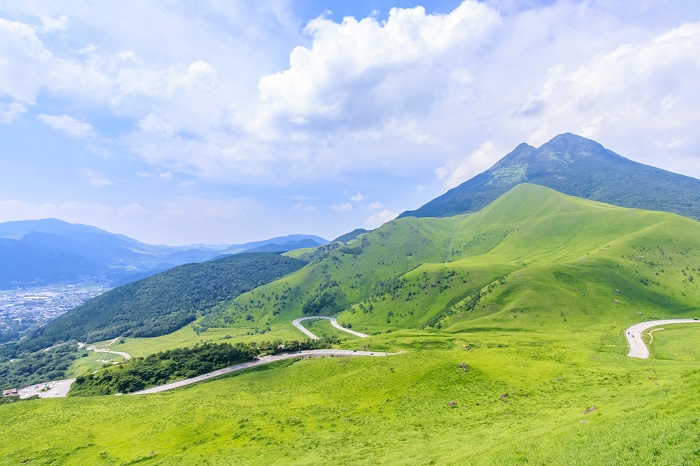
[(578, 167), (36, 252)]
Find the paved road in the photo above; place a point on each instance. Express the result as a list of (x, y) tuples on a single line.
[(634, 335), (334, 323), (258, 362), (126, 356)]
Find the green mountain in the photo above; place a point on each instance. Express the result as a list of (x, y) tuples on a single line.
[(576, 166), (350, 235), (418, 273), (164, 302)]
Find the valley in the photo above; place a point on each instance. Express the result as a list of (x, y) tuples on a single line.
[(507, 329)]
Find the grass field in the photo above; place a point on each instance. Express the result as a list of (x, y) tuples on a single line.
[(509, 325), (518, 400)]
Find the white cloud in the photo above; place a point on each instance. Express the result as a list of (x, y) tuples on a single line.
[(69, 125), (96, 181), (166, 175), (406, 97), (380, 219), (375, 206), (25, 62), (360, 74), (359, 197), (153, 124), (302, 206), (636, 94), (459, 170), (342, 207), (49, 25), (10, 111)]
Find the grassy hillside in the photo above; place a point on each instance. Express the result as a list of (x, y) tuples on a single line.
[(418, 273), (509, 324)]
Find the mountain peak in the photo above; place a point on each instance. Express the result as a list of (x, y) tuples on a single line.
[(577, 166), (569, 145)]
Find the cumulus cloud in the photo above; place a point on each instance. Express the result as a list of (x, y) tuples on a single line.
[(380, 218), (375, 206), (25, 62), (69, 125), (342, 207), (420, 96), (642, 91), (359, 197), (359, 74)]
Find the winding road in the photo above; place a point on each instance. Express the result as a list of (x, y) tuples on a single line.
[(126, 356), (634, 335), (258, 362), (334, 323)]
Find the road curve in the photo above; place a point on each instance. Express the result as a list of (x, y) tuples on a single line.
[(258, 362), (634, 335), (126, 356), (334, 323)]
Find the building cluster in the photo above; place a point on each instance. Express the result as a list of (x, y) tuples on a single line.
[(24, 308)]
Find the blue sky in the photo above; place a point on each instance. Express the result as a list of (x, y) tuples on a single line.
[(224, 122)]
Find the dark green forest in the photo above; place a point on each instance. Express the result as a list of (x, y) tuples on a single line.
[(31, 368), (165, 302), (181, 363)]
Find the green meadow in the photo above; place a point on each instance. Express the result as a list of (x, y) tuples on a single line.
[(508, 327), (469, 398)]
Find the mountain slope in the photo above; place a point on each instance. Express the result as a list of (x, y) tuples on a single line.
[(413, 273), (576, 166), (164, 302)]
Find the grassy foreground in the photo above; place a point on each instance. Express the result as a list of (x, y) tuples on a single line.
[(476, 398)]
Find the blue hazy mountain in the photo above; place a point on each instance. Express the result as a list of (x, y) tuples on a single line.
[(34, 252)]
